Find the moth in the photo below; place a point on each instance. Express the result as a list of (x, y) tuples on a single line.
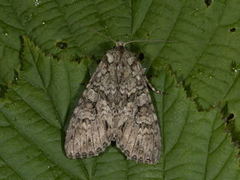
[(115, 106)]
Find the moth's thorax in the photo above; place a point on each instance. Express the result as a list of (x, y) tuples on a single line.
[(120, 43), (119, 54), (120, 48)]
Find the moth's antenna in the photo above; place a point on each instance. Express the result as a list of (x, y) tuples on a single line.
[(104, 36), (146, 40)]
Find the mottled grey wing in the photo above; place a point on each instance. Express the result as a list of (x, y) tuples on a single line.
[(138, 134), (90, 125)]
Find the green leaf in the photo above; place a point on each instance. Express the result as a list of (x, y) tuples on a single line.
[(203, 46), (203, 40), (35, 110), (33, 115), (202, 43)]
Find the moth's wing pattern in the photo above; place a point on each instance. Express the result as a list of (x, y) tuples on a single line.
[(89, 129), (138, 134), (116, 106)]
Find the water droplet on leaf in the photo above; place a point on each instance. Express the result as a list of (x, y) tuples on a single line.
[(37, 3), (62, 45), (5, 33), (235, 67), (200, 71)]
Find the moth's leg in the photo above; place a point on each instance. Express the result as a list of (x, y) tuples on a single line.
[(153, 88), (150, 85)]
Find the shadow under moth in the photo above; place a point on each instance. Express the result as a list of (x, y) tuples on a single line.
[(115, 106)]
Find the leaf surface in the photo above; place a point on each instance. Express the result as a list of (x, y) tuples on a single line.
[(35, 110), (198, 56)]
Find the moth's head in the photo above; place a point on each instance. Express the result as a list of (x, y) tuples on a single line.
[(120, 46), (120, 43)]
